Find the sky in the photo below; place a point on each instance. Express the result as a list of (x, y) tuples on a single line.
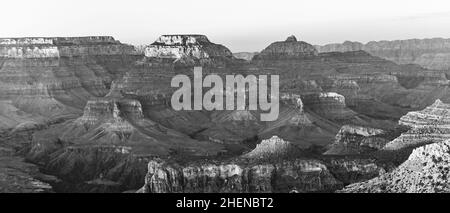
[(241, 25)]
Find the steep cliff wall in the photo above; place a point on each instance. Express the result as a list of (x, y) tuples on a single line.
[(286, 176), (328, 104)]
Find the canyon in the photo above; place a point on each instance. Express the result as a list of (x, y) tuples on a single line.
[(91, 114)]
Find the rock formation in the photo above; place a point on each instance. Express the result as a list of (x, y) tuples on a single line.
[(329, 104), (179, 46), (289, 49), (47, 79), (274, 148), (431, 53), (427, 126), (285, 176), (62, 47), (425, 171), (352, 140)]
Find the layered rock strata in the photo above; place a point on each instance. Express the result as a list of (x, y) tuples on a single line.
[(431, 53), (425, 171), (285, 176), (353, 140), (190, 46), (430, 125), (273, 148), (329, 104), (54, 77)]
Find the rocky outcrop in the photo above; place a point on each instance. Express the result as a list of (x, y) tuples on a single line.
[(427, 126), (190, 46), (431, 53), (285, 176), (289, 49), (353, 170), (425, 171), (353, 140), (328, 104), (274, 148)]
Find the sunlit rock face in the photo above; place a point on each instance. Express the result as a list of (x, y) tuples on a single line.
[(429, 53), (288, 49), (285, 176), (425, 171), (191, 46), (352, 140), (430, 125), (274, 148)]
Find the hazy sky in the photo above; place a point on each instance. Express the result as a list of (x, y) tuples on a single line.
[(241, 25)]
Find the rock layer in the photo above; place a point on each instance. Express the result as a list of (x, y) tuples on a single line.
[(429, 53), (191, 46), (352, 140), (286, 176), (54, 77), (427, 126), (425, 171), (274, 148)]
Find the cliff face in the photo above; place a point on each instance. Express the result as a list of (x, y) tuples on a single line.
[(328, 104), (275, 165), (286, 176), (191, 46), (429, 53), (427, 126), (353, 140), (425, 171)]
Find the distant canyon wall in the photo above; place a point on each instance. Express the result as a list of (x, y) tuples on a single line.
[(429, 53), (62, 47)]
